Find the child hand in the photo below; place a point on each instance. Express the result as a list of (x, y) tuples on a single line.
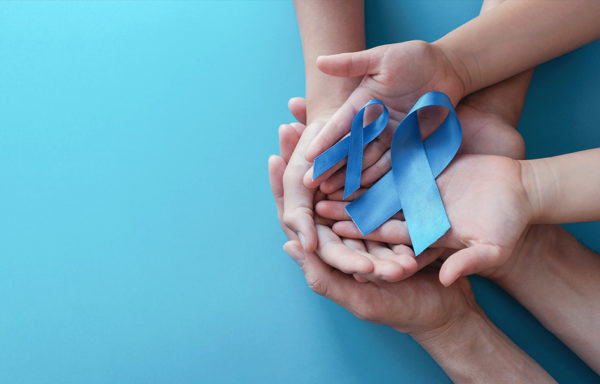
[(488, 119), (396, 74)]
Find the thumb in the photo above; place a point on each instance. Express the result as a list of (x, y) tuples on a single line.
[(351, 64), (468, 261), (297, 106), (326, 281)]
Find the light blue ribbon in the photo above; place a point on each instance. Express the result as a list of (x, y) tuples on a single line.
[(410, 184)]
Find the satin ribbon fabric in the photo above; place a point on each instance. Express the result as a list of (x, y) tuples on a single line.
[(352, 147), (410, 184)]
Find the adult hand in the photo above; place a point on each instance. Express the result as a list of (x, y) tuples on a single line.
[(487, 205), (299, 197), (349, 255), (289, 136), (419, 305)]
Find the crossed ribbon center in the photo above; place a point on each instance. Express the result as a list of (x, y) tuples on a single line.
[(410, 185)]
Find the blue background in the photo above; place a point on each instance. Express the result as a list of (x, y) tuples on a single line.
[(138, 238)]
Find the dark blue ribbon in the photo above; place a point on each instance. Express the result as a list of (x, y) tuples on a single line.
[(410, 184)]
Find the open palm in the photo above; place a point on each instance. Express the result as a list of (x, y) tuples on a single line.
[(487, 206), (397, 74), (415, 305)]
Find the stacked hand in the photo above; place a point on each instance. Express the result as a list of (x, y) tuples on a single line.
[(396, 74), (491, 197), (419, 305), (386, 256), (485, 131)]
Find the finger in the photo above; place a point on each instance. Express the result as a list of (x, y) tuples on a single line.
[(337, 127), (428, 256), (339, 195), (276, 169), (377, 170), (297, 106), (468, 261), (298, 200), (334, 182), (355, 245), (430, 119), (308, 176), (405, 256), (386, 263), (392, 231), (383, 269), (352, 64), (334, 210), (333, 252), (373, 152), (360, 279), (298, 256), (300, 220), (298, 127), (325, 281), (288, 139)]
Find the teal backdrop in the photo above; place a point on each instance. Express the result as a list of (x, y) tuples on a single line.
[(138, 238)]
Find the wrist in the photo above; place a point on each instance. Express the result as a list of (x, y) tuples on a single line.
[(439, 339), (458, 347), (457, 71), (475, 350), (533, 179), (318, 114), (325, 97), (538, 243)]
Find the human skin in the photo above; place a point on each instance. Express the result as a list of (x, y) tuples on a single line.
[(490, 201), (330, 26), (546, 269), (447, 322), (343, 31), (523, 34), (556, 278), (488, 118), (549, 272), (568, 247), (388, 80)]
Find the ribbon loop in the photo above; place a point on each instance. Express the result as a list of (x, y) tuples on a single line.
[(352, 147), (410, 184)]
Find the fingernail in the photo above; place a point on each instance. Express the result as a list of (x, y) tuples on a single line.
[(302, 241), (298, 257)]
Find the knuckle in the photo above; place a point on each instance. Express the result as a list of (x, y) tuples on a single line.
[(288, 173), (379, 147), (294, 172), (317, 285), (288, 219), (517, 145), (368, 313)]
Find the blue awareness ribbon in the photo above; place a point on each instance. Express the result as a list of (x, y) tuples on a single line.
[(410, 184), (352, 147)]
